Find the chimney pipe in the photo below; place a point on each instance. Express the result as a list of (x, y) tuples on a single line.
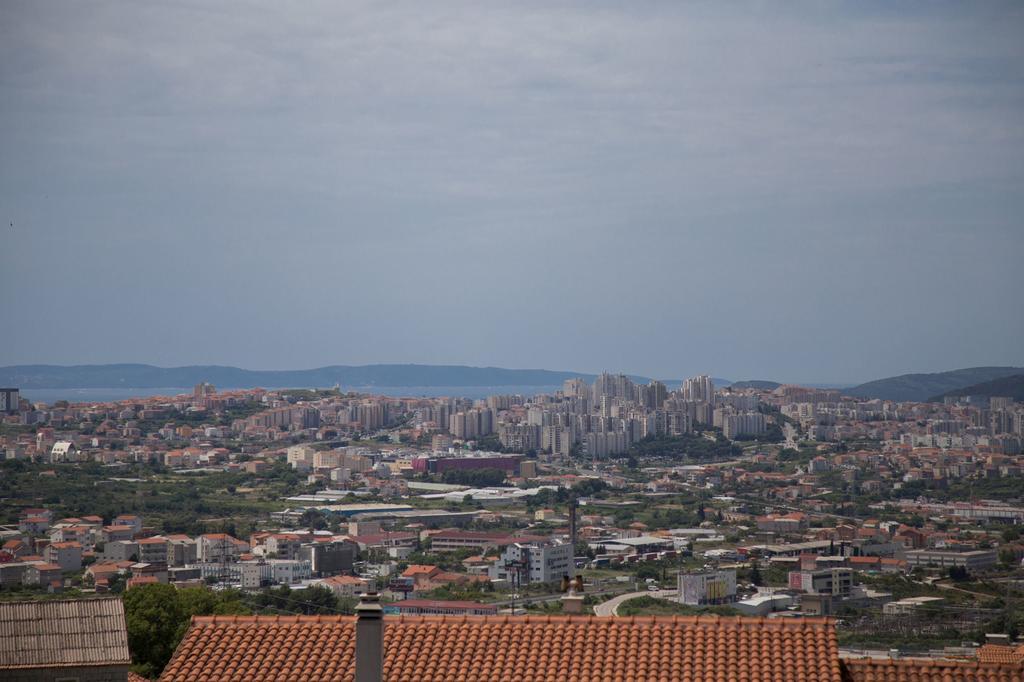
[(369, 639)]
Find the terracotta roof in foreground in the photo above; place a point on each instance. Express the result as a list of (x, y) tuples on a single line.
[(921, 670), (528, 648), (996, 653)]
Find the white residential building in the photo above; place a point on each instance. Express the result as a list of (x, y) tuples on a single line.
[(708, 587), (526, 563)]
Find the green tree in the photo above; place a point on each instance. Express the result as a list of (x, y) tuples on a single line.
[(755, 575), (959, 574), (478, 478), (158, 616), (313, 518), (156, 621)]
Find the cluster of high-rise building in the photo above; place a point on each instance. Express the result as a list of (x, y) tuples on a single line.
[(605, 418)]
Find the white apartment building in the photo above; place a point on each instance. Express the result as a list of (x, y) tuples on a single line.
[(526, 563), (708, 587)]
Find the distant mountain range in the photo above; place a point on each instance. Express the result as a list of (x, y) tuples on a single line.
[(148, 376), (922, 387), (1005, 387), (917, 387)]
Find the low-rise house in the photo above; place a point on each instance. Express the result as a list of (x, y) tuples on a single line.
[(115, 533), (43, 574), (345, 586), (153, 550), (41, 512), (67, 555), (130, 520), (120, 550), (13, 573), (215, 547), (144, 570), (138, 581), (794, 522), (13, 549), (181, 550), (425, 577), (106, 571), (911, 538), (34, 525), (74, 532), (282, 545), (385, 540)]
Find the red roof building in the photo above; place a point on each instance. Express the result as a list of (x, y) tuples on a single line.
[(559, 648)]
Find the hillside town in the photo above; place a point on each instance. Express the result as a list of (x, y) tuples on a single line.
[(900, 520)]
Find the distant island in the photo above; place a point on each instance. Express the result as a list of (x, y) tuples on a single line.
[(149, 376), (758, 384)]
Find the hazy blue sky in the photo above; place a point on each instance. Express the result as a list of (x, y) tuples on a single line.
[(805, 192)]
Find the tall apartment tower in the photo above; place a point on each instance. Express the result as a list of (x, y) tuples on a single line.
[(203, 390), (9, 400), (612, 386), (699, 388), (575, 388), (657, 393)]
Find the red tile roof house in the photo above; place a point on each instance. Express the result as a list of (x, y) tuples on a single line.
[(34, 525), (426, 577), (67, 555), (115, 533), (345, 586), (14, 549), (374, 648)]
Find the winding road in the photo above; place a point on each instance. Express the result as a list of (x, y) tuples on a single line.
[(611, 607)]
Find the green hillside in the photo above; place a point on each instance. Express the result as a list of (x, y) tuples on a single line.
[(1006, 387), (922, 387)]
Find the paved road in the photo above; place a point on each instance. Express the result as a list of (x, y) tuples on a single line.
[(611, 607), (537, 599), (947, 586)]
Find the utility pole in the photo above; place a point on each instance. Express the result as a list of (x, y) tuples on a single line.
[(573, 503)]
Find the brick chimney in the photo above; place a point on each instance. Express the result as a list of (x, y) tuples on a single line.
[(369, 639)]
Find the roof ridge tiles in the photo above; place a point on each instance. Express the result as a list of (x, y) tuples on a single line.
[(927, 663), (717, 621)]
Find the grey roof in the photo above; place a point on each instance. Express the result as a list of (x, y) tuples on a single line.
[(71, 632)]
